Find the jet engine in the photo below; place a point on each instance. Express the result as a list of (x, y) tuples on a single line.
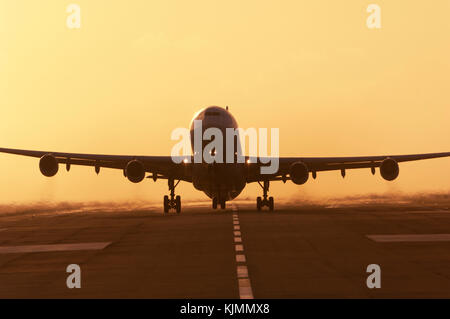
[(135, 171), (48, 165), (299, 173), (389, 169)]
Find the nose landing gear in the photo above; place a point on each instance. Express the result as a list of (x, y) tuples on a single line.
[(215, 202), (172, 202), (261, 202)]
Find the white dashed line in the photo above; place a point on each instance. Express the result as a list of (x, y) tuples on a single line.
[(409, 238), (47, 248), (242, 271), (245, 288)]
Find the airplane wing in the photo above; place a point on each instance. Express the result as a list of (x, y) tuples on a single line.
[(291, 165), (159, 166), (290, 168)]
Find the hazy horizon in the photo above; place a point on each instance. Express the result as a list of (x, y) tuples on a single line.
[(399, 200)]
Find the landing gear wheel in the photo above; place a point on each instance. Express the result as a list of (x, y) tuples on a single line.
[(223, 204), (264, 201), (166, 204), (258, 203), (214, 203), (172, 201), (271, 203), (178, 204)]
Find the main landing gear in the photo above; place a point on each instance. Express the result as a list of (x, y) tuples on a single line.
[(261, 202), (215, 201), (173, 202)]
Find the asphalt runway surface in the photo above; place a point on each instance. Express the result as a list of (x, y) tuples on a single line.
[(294, 252)]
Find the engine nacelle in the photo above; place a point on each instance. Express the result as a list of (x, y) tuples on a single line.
[(135, 171), (48, 165), (299, 173), (389, 169)]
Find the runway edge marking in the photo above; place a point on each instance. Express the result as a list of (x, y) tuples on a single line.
[(397, 238), (52, 247)]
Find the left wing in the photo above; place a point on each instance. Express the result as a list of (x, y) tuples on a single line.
[(159, 166), (298, 168)]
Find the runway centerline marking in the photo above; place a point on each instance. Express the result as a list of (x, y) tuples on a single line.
[(245, 288), (242, 271), (409, 238), (52, 247)]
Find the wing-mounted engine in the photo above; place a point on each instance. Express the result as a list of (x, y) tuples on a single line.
[(48, 165), (299, 173), (135, 171), (389, 169)]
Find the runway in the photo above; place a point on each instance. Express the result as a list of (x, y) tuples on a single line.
[(294, 252)]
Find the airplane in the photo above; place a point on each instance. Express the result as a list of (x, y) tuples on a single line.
[(221, 182)]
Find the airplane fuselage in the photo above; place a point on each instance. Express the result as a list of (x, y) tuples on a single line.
[(223, 181)]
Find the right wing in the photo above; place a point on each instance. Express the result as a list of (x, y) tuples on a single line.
[(159, 166)]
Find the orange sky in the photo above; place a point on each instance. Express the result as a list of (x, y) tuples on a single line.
[(138, 69)]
